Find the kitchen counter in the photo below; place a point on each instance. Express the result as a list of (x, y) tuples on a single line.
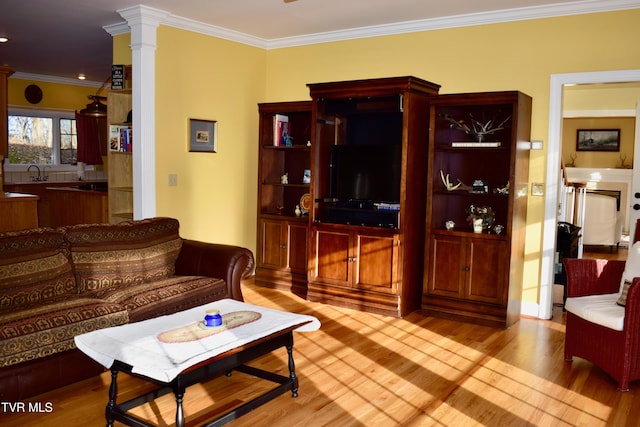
[(53, 183), (18, 211), (100, 190), (52, 212), (74, 205), (11, 197)]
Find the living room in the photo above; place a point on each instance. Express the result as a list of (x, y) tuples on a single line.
[(215, 196)]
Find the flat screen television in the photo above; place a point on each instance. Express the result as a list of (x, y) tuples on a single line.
[(366, 172)]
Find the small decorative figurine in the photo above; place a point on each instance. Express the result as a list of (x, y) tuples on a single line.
[(298, 212), (502, 190), (449, 225), (284, 179)]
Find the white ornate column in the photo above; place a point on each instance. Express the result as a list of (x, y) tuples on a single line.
[(143, 22)]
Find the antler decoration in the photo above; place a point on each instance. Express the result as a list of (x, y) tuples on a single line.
[(478, 129), (451, 187)]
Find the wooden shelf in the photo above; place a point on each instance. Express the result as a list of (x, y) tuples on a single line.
[(288, 148), (281, 259), (278, 184), (123, 215), (469, 276), (120, 164)]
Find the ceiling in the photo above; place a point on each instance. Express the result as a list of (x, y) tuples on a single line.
[(64, 38)]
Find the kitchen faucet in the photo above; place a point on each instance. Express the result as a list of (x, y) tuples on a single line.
[(45, 177), (34, 178)]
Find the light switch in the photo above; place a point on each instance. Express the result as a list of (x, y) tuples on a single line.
[(173, 180), (537, 189), (536, 145)]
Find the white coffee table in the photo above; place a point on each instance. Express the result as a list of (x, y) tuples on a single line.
[(177, 351)]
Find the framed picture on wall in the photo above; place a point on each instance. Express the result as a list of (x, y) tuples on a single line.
[(202, 136), (598, 140)]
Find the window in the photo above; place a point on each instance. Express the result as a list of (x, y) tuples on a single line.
[(68, 142), (45, 138)]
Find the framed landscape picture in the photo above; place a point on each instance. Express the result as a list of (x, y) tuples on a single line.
[(598, 140), (202, 136)]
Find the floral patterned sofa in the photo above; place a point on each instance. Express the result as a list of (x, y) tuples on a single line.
[(59, 283)]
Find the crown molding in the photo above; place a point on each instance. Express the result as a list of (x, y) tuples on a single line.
[(577, 114), (215, 31), (55, 79), (117, 29), (457, 21), (466, 20)]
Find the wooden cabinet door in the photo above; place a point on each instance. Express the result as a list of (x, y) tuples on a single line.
[(468, 268), (296, 238), (332, 257), (447, 266), (283, 246), (376, 261), (272, 250), (486, 272)]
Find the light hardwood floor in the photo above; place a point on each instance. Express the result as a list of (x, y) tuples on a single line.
[(362, 369)]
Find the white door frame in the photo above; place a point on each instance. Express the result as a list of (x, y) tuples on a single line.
[(634, 215), (554, 149)]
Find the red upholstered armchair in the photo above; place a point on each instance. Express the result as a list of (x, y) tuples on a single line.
[(598, 329)]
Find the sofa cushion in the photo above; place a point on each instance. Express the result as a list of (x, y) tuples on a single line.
[(46, 329), (134, 252), (34, 268), (622, 299), (167, 296), (598, 309), (632, 265)]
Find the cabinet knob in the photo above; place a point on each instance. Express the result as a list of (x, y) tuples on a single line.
[(283, 246)]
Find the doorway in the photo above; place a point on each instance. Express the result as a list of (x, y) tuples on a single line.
[(553, 178)]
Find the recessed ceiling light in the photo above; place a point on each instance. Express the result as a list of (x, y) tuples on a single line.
[(4, 39), (81, 77)]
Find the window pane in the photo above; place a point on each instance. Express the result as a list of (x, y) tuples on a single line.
[(30, 140), (68, 142)]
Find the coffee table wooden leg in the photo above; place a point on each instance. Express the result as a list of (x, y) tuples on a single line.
[(179, 393), (292, 370), (113, 394)]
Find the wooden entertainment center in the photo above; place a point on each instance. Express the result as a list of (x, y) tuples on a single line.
[(373, 207)]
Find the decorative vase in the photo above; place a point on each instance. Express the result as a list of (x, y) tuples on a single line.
[(477, 225), (487, 222)]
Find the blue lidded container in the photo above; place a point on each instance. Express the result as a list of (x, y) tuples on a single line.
[(213, 318)]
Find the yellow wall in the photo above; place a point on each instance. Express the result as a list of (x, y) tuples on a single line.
[(598, 159), (54, 95), (609, 96), (207, 78)]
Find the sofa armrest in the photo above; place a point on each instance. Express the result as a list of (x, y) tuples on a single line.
[(593, 276), (632, 316), (227, 262)]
